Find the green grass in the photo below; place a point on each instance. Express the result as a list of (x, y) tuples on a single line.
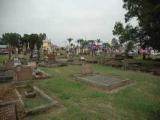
[(141, 101), (32, 103), (3, 58)]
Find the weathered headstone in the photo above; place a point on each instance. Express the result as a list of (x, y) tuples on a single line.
[(86, 69), (22, 73)]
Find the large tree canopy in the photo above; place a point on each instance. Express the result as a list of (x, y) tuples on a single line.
[(147, 13), (127, 33), (12, 39)]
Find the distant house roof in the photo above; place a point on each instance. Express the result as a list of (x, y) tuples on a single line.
[(3, 46)]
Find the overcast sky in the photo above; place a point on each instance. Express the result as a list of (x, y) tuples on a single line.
[(61, 19)]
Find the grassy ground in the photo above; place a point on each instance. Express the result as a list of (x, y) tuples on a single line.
[(3, 58), (32, 103), (141, 101)]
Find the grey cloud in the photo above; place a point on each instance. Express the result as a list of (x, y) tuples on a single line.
[(61, 19)]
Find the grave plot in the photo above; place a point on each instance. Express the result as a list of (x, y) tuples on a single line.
[(26, 73), (8, 111), (9, 98), (34, 100), (103, 82)]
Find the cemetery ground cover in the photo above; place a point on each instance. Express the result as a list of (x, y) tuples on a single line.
[(140, 101), (2, 58)]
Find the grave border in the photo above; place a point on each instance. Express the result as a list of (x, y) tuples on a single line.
[(40, 108)]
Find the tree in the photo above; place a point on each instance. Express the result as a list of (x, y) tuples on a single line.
[(80, 41), (13, 41), (70, 40), (125, 34), (115, 44), (25, 41), (147, 13), (39, 42), (32, 42), (129, 47), (98, 41), (106, 45), (2, 42)]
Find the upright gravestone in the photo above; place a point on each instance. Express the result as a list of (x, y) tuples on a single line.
[(23, 73), (86, 69)]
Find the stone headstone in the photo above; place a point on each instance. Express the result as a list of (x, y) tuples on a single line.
[(86, 69), (22, 73)]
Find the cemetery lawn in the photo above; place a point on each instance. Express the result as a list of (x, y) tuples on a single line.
[(3, 58), (79, 101)]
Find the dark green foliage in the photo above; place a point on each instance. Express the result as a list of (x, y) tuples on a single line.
[(12, 39), (106, 45), (129, 46), (2, 42), (70, 40), (25, 41), (114, 43), (147, 13), (127, 33)]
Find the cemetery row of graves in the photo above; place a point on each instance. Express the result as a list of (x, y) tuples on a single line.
[(23, 71), (20, 97)]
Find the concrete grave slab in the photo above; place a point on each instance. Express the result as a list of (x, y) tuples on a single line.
[(104, 82)]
